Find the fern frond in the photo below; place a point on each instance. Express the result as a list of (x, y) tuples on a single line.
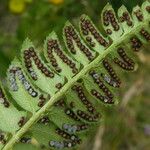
[(61, 100)]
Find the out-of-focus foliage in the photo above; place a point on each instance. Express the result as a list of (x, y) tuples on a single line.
[(125, 128)]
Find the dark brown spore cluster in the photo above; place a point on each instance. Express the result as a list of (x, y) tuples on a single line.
[(102, 98), (148, 9), (87, 117), (86, 28), (60, 103), (109, 17), (82, 127), (22, 121), (126, 17), (136, 44), (42, 100), (59, 86), (139, 15), (124, 56), (71, 114), (127, 62), (101, 85), (53, 44), (111, 72), (2, 138), (30, 53), (44, 120), (26, 140), (145, 34), (68, 136), (3, 99), (68, 111), (83, 98), (71, 35)]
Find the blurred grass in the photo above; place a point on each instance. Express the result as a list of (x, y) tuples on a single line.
[(125, 128)]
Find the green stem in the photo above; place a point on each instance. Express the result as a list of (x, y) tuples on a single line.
[(53, 99)]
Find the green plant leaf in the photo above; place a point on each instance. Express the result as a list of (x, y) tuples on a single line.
[(58, 59), (22, 90), (79, 103), (9, 115), (42, 75)]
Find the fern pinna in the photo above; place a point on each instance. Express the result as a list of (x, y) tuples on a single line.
[(58, 102)]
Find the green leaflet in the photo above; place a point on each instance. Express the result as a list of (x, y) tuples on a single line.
[(76, 45), (125, 19), (42, 76), (137, 15), (52, 136), (22, 90), (58, 59), (145, 6), (65, 121), (9, 115), (91, 34), (75, 103), (83, 104), (110, 23)]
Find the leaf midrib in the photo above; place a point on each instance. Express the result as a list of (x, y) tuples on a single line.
[(70, 83)]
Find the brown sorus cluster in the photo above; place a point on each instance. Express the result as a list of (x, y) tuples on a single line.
[(45, 120), (66, 135), (3, 99), (139, 15), (25, 140), (104, 99), (111, 72), (30, 53), (101, 85), (109, 31), (145, 34), (126, 17), (71, 35), (60, 103), (124, 56), (42, 100), (136, 43), (84, 99), (82, 127), (148, 9), (2, 138), (87, 117), (123, 65), (22, 121), (127, 62), (71, 114), (58, 85), (86, 27), (53, 44), (109, 17)]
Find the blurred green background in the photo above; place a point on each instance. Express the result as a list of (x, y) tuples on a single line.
[(127, 127)]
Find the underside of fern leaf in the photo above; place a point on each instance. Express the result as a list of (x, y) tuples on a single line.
[(57, 101)]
